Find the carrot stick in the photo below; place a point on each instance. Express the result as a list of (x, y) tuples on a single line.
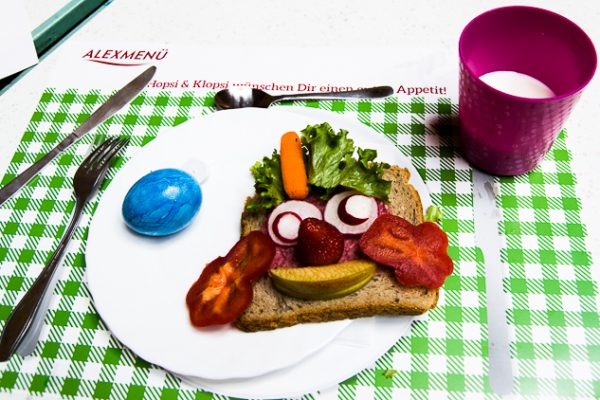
[(293, 172)]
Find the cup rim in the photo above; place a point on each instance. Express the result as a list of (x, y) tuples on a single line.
[(530, 99)]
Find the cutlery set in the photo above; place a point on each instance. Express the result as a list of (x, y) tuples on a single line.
[(22, 328)]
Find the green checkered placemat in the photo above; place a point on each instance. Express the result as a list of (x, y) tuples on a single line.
[(553, 312)]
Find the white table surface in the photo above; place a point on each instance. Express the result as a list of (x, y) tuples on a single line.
[(314, 23)]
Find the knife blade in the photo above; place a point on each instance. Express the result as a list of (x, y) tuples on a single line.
[(487, 217), (112, 105)]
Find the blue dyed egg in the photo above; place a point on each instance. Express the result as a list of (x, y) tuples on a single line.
[(162, 203)]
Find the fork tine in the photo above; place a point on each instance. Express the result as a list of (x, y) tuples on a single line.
[(94, 155), (115, 147), (90, 173), (110, 144)]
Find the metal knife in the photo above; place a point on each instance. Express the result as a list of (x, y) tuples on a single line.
[(487, 217), (113, 104)]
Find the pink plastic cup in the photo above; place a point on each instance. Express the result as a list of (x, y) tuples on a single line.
[(508, 135)]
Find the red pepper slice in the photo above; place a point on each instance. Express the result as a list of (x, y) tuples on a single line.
[(418, 253), (224, 289)]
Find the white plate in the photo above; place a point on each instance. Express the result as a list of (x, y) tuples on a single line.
[(139, 284), (358, 346), (355, 349)]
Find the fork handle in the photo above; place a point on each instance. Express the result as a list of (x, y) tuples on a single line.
[(20, 321)]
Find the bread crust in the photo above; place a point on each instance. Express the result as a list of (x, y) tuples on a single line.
[(271, 309)]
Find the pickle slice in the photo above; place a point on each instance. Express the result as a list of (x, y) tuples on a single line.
[(324, 282)]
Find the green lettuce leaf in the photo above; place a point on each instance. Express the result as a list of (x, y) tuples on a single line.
[(433, 214), (327, 154), (331, 163), (365, 176), (267, 183)]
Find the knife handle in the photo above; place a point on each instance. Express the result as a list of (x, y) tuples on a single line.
[(21, 180)]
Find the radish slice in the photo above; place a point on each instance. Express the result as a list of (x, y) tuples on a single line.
[(351, 212), (286, 225), (284, 221), (354, 209)]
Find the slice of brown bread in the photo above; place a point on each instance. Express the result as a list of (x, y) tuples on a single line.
[(381, 296)]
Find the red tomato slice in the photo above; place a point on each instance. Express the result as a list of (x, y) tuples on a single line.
[(252, 255), (224, 289), (418, 253)]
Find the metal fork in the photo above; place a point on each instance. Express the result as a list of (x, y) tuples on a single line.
[(23, 325)]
